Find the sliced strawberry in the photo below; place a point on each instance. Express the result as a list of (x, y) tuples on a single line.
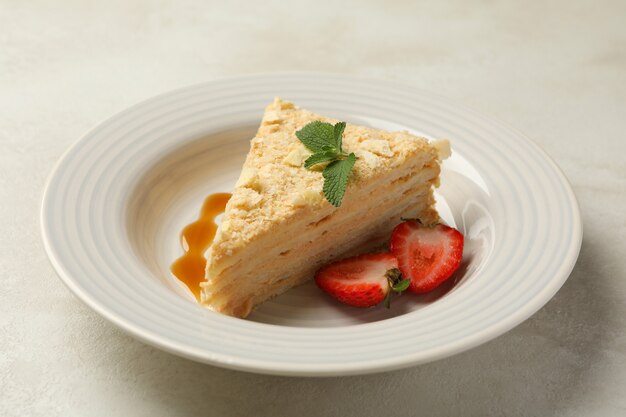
[(427, 255), (362, 281)]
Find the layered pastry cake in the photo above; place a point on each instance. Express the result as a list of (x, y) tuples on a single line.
[(278, 228)]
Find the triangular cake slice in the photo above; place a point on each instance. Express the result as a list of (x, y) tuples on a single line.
[(278, 228)]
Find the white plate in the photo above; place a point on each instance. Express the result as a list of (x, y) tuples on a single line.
[(117, 200)]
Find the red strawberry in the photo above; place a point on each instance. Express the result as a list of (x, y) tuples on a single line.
[(362, 281), (427, 255)]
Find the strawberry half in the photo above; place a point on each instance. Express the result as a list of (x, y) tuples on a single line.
[(362, 281), (427, 255)]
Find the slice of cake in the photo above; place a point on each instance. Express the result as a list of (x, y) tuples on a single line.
[(278, 228)]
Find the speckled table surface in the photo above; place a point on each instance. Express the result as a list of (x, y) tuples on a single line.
[(556, 71)]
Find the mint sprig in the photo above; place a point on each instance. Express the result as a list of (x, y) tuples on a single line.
[(325, 141)]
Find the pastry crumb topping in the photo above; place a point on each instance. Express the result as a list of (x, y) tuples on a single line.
[(443, 148), (306, 198), (297, 156), (377, 146)]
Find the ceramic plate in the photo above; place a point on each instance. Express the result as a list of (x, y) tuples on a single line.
[(116, 202)]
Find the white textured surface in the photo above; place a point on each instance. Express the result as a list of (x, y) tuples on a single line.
[(557, 72)]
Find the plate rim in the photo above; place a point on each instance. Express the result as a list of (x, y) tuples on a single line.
[(315, 369)]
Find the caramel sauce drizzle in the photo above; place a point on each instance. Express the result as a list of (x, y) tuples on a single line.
[(195, 239)]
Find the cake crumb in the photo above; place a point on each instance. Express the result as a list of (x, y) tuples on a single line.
[(443, 148), (368, 158), (306, 197), (377, 146), (297, 156)]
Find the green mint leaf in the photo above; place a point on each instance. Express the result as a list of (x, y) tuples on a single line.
[(318, 158), (336, 176), (325, 141), (401, 286), (317, 135), (338, 134)]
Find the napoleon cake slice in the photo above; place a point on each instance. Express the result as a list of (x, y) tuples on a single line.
[(278, 228)]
